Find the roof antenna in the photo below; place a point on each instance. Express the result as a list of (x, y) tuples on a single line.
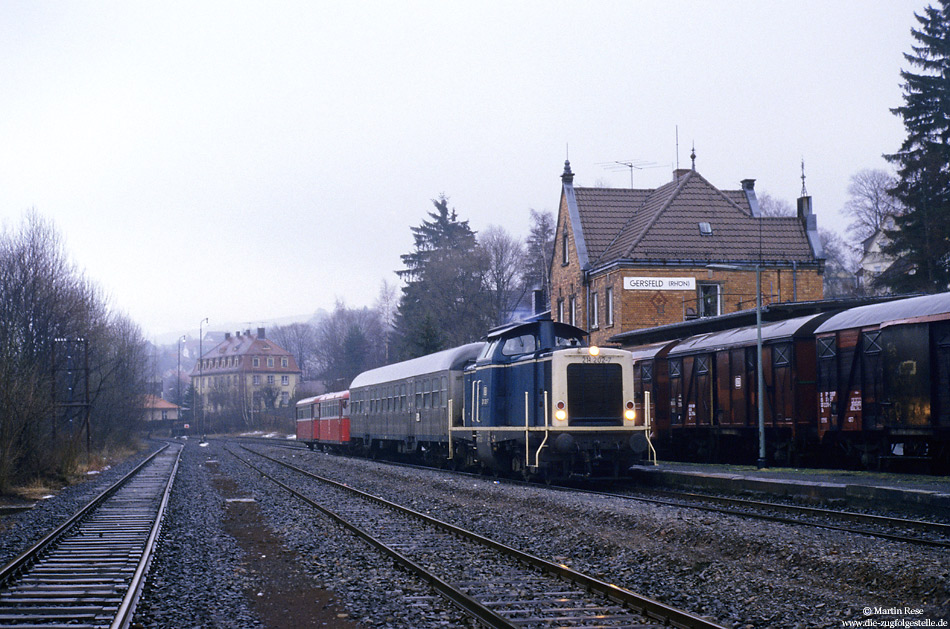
[(677, 147), (804, 191), (631, 165)]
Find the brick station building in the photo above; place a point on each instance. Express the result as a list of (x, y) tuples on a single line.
[(626, 259)]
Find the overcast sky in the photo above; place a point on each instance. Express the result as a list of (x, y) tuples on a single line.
[(247, 161)]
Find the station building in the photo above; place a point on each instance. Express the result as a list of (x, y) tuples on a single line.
[(627, 259)]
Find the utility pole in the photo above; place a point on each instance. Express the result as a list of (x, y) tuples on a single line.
[(68, 399)]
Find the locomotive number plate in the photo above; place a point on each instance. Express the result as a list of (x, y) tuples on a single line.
[(597, 360)]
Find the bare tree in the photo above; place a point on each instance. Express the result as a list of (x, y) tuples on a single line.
[(539, 249), (337, 336), (45, 305), (387, 305), (773, 206), (841, 265), (505, 273), (870, 202), (300, 339)]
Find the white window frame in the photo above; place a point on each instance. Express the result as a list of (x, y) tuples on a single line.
[(594, 314), (610, 306), (702, 308)]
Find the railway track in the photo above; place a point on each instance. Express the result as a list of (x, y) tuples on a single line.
[(910, 531), (928, 533), (89, 571), (497, 585)]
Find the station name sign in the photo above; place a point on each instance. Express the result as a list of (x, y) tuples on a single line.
[(659, 283)]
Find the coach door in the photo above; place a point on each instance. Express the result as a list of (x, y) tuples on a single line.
[(783, 385), (941, 398), (676, 391), (872, 380)]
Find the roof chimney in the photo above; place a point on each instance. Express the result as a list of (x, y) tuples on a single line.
[(679, 173), (567, 176), (810, 223), (260, 334), (748, 186), (227, 336)]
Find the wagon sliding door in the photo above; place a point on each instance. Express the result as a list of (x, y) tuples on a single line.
[(941, 382)]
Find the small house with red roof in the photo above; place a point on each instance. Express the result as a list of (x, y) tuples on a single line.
[(157, 409), (626, 259)]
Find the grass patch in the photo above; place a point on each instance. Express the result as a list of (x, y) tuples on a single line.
[(36, 489)]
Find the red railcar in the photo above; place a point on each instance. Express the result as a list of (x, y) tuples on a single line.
[(324, 420)]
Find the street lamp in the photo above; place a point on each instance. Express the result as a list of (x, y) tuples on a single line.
[(762, 462), (200, 372), (178, 381)]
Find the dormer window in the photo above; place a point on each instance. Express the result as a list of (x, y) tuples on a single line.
[(705, 229)]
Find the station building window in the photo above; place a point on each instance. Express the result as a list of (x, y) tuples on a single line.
[(609, 305)]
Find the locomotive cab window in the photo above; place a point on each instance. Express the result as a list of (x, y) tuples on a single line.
[(567, 341), (524, 344)]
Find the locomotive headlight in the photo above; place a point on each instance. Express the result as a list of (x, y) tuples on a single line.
[(593, 350), (630, 413), (560, 413)]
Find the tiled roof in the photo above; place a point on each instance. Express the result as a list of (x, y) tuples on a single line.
[(155, 402), (246, 345), (664, 224)]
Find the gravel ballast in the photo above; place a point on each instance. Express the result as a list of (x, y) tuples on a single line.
[(237, 551)]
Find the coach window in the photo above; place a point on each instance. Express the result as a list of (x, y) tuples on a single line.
[(417, 387), (426, 393), (445, 391), (402, 397)]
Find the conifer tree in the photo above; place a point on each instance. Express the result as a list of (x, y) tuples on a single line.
[(444, 302), (921, 242)]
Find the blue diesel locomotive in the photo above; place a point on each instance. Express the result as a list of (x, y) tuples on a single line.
[(533, 400)]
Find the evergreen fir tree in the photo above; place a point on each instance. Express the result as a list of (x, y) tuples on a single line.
[(921, 242), (444, 302)]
